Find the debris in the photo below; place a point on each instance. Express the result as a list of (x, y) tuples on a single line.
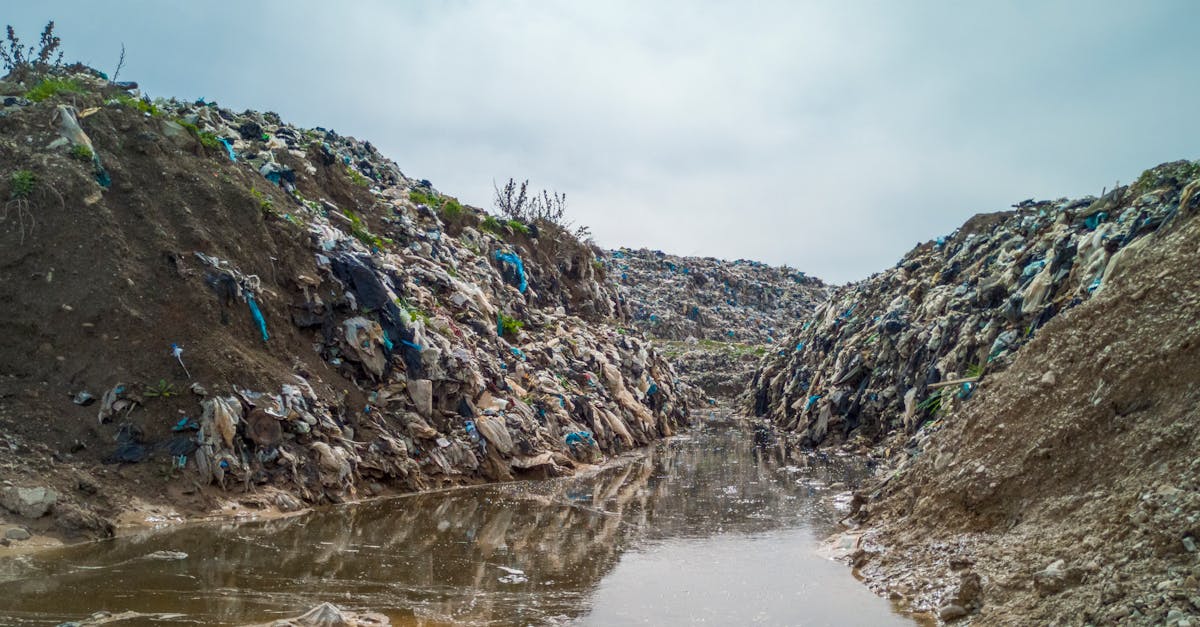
[(167, 556), (114, 403), (949, 308), (83, 398), (514, 575)]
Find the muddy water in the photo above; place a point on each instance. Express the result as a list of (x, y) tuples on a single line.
[(719, 526)]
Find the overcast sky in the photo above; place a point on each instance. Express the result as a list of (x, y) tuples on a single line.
[(830, 136)]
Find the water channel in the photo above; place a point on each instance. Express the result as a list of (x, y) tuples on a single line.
[(719, 526)]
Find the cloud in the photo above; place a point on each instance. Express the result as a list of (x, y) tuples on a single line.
[(828, 136)]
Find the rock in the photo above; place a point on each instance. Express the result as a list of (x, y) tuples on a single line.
[(1048, 379), (970, 591), (951, 612), (17, 533), (1051, 579), (28, 502), (1189, 544), (286, 502)]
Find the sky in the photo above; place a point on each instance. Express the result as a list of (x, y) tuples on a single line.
[(828, 136)]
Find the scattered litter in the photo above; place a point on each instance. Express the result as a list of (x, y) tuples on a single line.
[(83, 398), (514, 575), (167, 555)]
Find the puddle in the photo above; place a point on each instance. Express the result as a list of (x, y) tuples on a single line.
[(719, 527)]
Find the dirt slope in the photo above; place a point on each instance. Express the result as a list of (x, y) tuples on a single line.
[(405, 341), (882, 356), (1068, 490)]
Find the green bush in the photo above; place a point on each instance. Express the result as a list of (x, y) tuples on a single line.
[(359, 230), (518, 227), (509, 326), (451, 210), (21, 184), (208, 140), (357, 178), (53, 86), (422, 198), (82, 153), (492, 225)]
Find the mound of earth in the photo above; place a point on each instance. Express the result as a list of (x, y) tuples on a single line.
[(206, 309), (1067, 491), (906, 346)]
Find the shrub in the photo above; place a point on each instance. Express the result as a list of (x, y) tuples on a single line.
[(518, 226), (359, 230), (208, 140), (53, 86), (21, 184), (422, 198), (492, 225), (82, 153), (21, 61), (357, 178), (451, 210), (508, 326), (515, 203)]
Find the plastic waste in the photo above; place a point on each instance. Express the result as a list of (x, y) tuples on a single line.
[(228, 149), (515, 261), (258, 317), (83, 398)]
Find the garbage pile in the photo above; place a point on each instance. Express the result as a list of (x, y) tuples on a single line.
[(324, 322), (904, 347), (742, 301), (714, 318)]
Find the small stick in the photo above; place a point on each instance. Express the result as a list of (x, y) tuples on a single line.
[(178, 353)]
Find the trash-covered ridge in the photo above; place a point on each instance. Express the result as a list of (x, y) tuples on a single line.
[(677, 298), (713, 318), (904, 347), (239, 302)]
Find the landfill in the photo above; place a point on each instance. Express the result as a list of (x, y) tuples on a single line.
[(677, 298), (714, 318), (281, 310), (906, 347)]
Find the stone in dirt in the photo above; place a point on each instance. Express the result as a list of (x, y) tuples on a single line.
[(951, 612), (28, 502), (17, 533)]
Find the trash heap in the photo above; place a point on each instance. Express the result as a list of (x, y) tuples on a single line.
[(714, 318), (282, 307), (677, 298), (902, 348)]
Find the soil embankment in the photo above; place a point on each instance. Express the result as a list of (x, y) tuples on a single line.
[(206, 310), (1027, 386)]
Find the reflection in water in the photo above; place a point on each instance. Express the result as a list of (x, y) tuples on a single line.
[(528, 553)]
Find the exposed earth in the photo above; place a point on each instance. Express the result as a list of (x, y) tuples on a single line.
[(211, 313)]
